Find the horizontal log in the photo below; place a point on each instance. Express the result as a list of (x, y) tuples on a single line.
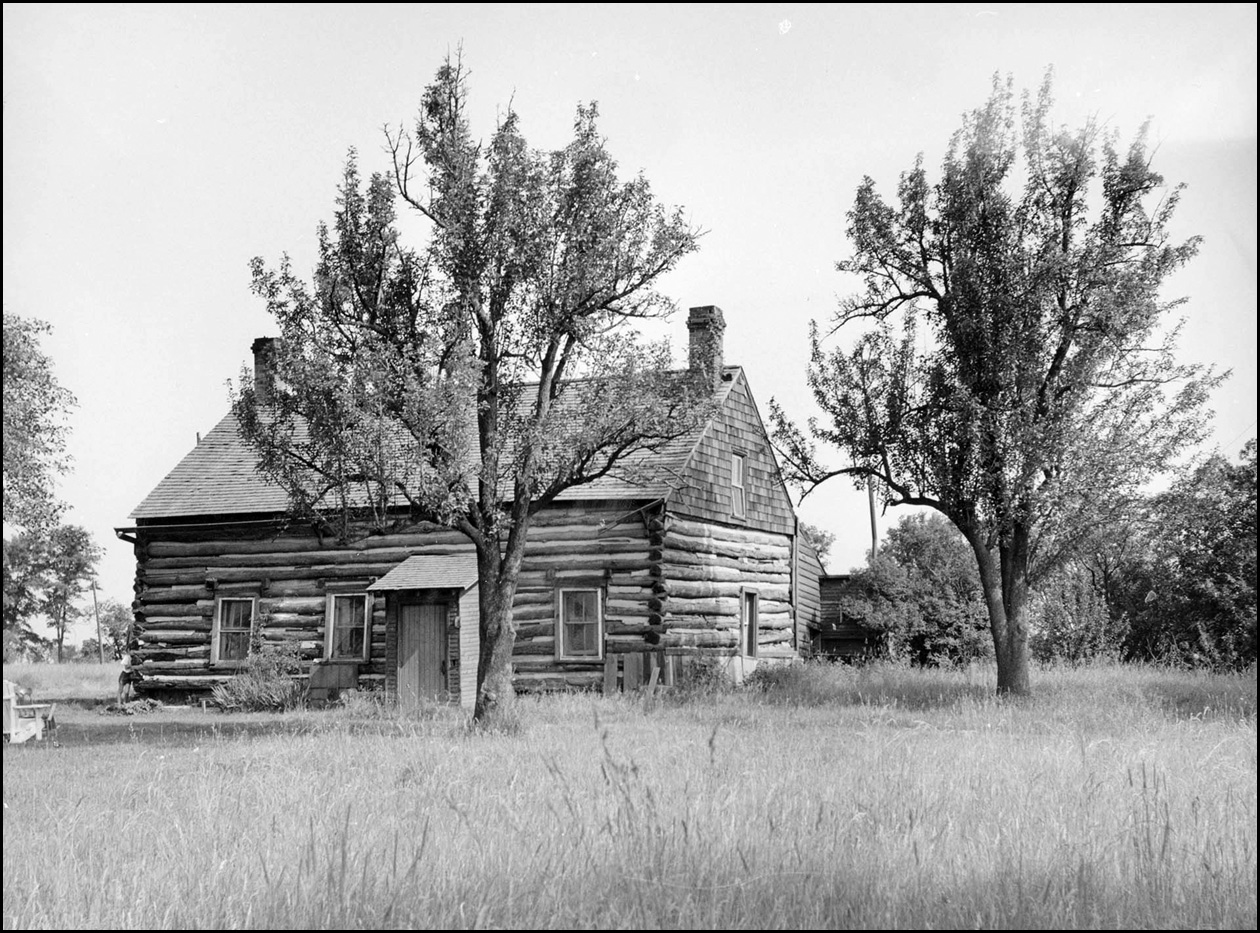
[(723, 606), (534, 629), (686, 620), (765, 591), (531, 683), (674, 557), (724, 547), (781, 575), (158, 623), (173, 594), (430, 537), (577, 562), (585, 544), (693, 529), (169, 610), (385, 556), (172, 637), (158, 681), (316, 605), (675, 639), (627, 627), (173, 665), (541, 534), (772, 637), (141, 655)]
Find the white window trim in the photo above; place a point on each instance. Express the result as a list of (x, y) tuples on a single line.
[(739, 470), (216, 629), (744, 593), (561, 654), (329, 617)]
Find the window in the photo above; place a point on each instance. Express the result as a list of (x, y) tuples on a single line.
[(233, 625), (739, 467), (580, 635), (748, 624), (347, 626)]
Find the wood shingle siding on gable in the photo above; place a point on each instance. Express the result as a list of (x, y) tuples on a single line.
[(705, 490)]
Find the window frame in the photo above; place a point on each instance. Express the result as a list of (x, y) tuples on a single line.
[(749, 596), (739, 484), (330, 619), (562, 652), (217, 630)]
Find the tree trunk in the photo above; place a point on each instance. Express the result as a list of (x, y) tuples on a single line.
[(498, 573), (495, 693), (1006, 598)]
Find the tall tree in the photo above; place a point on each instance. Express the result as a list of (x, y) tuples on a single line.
[(35, 407), (472, 380), (26, 569), (1015, 372), (72, 558)]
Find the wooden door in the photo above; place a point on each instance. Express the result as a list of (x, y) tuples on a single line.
[(421, 652)]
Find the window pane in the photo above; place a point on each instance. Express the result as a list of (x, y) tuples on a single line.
[(349, 616), (233, 646), (348, 643), (750, 624), (581, 639), (235, 613), (581, 606)]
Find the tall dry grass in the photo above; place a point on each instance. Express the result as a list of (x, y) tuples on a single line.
[(826, 797), (77, 681)]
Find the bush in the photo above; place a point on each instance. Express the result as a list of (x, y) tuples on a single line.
[(267, 683)]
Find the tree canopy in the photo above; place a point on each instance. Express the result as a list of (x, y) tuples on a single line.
[(1014, 364), (471, 378), (35, 408)]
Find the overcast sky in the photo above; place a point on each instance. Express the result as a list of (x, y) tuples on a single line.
[(151, 151)]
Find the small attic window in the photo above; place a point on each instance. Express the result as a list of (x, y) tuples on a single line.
[(739, 484)]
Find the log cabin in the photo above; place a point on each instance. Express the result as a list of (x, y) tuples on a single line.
[(699, 555)]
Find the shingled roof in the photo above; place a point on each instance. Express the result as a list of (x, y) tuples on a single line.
[(218, 476)]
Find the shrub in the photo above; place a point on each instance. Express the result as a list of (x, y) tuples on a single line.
[(267, 683)]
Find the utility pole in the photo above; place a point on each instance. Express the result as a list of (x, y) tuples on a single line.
[(96, 610), (870, 495)]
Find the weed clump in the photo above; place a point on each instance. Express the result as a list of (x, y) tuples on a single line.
[(267, 684)]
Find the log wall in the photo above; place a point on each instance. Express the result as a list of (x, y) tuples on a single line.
[(669, 582), (180, 575), (706, 567), (600, 545)]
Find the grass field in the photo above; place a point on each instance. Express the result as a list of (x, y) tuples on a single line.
[(832, 797)]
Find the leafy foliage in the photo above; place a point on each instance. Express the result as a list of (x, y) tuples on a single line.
[(921, 590), (116, 623), (71, 563), (470, 380), (1187, 591), (35, 408), (1070, 620), (267, 683), (1013, 368), (820, 539)]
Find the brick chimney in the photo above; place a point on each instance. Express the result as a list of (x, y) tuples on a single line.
[(706, 326), (264, 368)]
